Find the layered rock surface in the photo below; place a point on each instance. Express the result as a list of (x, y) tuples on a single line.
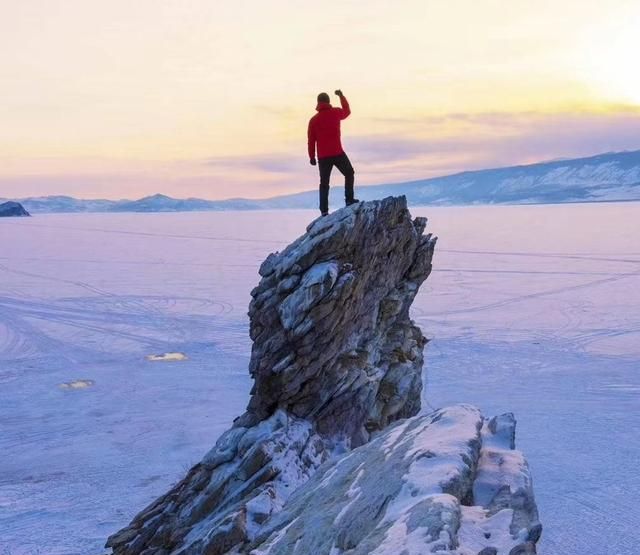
[(317, 463)]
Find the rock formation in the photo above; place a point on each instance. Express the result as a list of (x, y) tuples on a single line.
[(329, 457), (10, 208)]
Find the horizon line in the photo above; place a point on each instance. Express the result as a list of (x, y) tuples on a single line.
[(392, 183)]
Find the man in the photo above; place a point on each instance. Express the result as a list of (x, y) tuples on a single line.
[(324, 131)]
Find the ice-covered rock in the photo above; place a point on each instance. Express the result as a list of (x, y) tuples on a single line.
[(10, 208), (412, 490), (318, 463)]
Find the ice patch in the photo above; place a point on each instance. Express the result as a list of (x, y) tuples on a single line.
[(77, 384), (167, 357)]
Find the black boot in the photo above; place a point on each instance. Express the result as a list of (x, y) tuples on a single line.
[(352, 201)]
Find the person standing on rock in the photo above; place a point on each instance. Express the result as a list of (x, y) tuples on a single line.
[(324, 133)]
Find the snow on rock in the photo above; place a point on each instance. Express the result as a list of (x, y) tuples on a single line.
[(319, 463), (416, 498)]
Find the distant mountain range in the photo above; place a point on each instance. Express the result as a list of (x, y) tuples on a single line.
[(602, 178)]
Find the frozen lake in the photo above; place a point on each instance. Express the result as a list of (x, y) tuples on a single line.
[(531, 309)]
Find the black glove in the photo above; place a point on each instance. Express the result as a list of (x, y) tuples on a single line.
[(338, 92), (312, 161)]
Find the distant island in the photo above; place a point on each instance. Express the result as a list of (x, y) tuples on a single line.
[(12, 209), (602, 178)]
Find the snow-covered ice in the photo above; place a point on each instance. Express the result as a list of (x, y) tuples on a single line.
[(531, 309)]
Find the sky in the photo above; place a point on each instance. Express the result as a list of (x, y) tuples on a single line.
[(212, 98)]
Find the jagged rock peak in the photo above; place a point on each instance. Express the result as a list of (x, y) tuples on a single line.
[(330, 457), (332, 338), (335, 357)]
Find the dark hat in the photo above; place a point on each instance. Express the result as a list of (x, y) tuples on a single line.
[(323, 97)]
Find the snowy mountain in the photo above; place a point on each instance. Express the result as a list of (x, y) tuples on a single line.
[(12, 209), (154, 203), (606, 177), (602, 178), (62, 204), (163, 203), (159, 203)]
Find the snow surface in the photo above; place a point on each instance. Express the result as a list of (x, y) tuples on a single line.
[(531, 309)]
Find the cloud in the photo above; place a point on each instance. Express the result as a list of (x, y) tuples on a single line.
[(507, 138), (277, 163), (504, 119), (387, 148)]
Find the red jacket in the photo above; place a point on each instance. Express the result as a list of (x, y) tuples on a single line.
[(324, 129)]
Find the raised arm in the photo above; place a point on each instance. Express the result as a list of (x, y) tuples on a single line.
[(345, 110)]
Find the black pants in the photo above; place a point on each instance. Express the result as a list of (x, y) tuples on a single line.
[(325, 165)]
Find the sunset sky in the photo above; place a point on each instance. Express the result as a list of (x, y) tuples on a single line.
[(211, 98)]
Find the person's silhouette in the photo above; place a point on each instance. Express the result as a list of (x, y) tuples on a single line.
[(324, 133)]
